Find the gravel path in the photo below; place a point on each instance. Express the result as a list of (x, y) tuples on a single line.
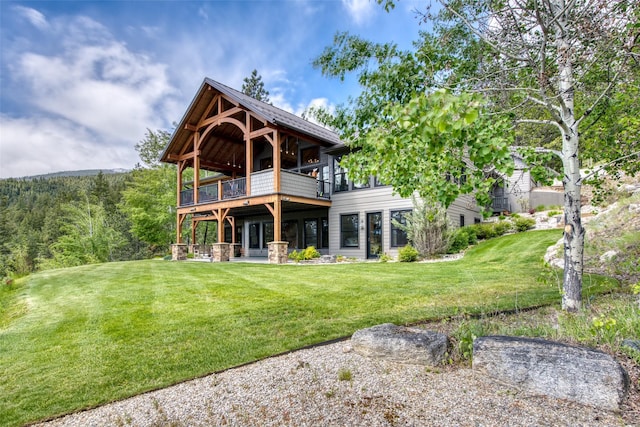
[(333, 386)]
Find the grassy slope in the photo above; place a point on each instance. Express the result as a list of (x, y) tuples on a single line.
[(97, 333)]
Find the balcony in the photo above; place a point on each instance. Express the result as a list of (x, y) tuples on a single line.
[(291, 183)]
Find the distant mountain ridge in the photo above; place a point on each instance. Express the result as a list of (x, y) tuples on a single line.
[(84, 172)]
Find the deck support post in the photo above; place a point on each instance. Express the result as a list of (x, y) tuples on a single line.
[(220, 252), (278, 252)]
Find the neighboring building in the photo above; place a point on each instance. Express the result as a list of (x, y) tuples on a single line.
[(520, 193), (272, 181)]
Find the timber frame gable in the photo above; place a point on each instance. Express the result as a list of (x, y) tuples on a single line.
[(245, 157)]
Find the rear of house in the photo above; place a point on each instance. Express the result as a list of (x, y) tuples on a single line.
[(272, 183)]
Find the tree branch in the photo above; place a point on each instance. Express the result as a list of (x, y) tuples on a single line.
[(543, 122), (602, 167)]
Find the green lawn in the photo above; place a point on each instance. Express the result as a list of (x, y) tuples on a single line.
[(80, 337)]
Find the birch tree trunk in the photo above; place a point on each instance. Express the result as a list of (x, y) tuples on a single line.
[(573, 232)]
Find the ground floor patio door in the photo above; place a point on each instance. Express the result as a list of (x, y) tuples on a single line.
[(374, 234)]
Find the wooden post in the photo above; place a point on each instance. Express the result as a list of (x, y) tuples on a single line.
[(277, 161), (277, 219), (194, 226), (248, 163), (196, 168)]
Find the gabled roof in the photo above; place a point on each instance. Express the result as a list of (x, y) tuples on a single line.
[(276, 115), (267, 112)]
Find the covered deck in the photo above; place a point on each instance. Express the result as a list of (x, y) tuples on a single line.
[(234, 153)]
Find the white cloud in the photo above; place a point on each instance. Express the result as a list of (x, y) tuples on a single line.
[(359, 10), (39, 145), (93, 85), (36, 18)]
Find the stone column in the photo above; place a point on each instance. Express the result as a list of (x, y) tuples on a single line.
[(179, 252), (220, 252), (278, 252)]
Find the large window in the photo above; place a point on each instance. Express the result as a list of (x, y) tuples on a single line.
[(398, 235), (267, 234), (254, 235), (290, 233), (310, 233), (324, 233), (349, 231), (339, 176)]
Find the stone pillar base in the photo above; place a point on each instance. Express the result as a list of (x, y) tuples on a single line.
[(178, 252), (220, 252), (278, 252), (235, 250)]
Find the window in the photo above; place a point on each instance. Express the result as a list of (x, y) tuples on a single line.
[(324, 233), (340, 180), (361, 185), (399, 236), (254, 236), (461, 220), (267, 234), (349, 231), (310, 233), (290, 233)]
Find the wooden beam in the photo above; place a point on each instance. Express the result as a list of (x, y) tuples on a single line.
[(212, 104), (260, 132), (191, 128), (277, 161), (196, 168), (277, 220)]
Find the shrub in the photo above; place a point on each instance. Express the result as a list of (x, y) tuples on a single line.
[(484, 231), (427, 227), (459, 241), (304, 255), (408, 254), (311, 252), (502, 227), (523, 224), (385, 257)]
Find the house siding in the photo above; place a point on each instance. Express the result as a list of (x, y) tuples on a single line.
[(381, 199)]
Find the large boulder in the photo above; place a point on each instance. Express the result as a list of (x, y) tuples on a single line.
[(537, 366), (401, 344)]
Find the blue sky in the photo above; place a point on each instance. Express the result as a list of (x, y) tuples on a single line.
[(81, 81)]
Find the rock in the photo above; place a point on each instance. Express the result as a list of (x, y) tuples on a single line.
[(400, 344), (608, 256), (634, 207), (586, 376), (632, 344), (327, 259)]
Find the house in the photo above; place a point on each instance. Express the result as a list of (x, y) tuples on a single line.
[(272, 182)]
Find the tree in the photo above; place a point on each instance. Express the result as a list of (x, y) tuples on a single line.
[(149, 198), (254, 87), (151, 147), (540, 62)]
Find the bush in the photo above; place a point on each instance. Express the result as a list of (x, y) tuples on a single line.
[(484, 231), (304, 255), (427, 227), (502, 227), (385, 257), (459, 241), (523, 224), (408, 254)]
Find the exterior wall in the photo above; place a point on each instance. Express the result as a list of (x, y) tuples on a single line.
[(298, 216), (380, 199), (518, 190)]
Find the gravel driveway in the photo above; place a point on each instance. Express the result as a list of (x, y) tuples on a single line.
[(333, 386)]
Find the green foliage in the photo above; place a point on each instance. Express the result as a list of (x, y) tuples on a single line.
[(523, 224), (345, 374), (305, 255), (254, 87), (408, 254), (459, 241), (427, 227), (385, 258), (438, 145), (150, 149), (148, 201)]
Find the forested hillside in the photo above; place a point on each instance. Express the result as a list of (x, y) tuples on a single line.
[(62, 221)]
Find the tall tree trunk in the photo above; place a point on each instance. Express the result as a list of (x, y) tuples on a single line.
[(573, 232)]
